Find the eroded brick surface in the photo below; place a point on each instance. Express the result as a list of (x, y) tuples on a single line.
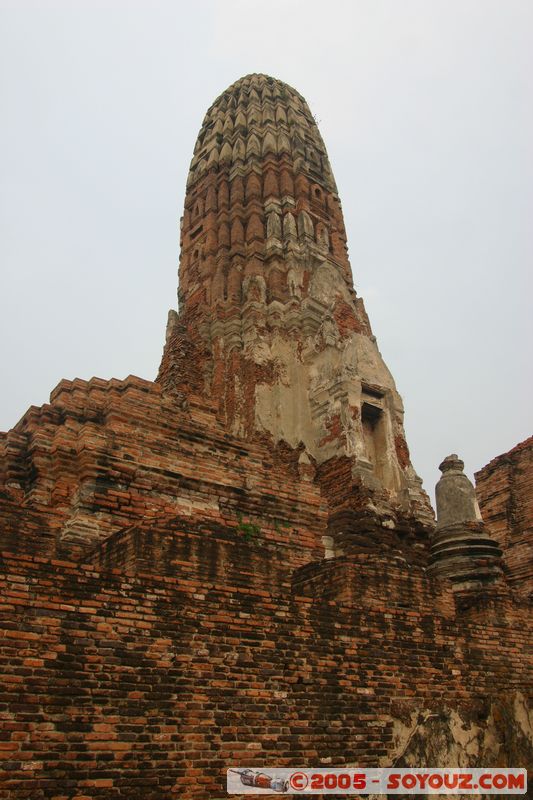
[(505, 492)]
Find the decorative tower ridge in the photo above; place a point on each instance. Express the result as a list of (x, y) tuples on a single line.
[(270, 328)]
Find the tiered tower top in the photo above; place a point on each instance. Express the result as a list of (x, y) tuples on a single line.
[(260, 172), (257, 115)]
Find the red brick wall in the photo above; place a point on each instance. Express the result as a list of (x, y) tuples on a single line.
[(505, 493), (123, 686)]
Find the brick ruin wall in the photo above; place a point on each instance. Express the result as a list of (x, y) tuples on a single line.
[(120, 685), (163, 621), (505, 493)]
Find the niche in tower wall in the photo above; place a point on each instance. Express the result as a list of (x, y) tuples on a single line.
[(372, 419)]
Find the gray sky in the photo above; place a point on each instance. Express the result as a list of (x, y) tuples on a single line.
[(426, 110)]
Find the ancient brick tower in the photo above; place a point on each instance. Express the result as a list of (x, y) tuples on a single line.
[(270, 325), (235, 565)]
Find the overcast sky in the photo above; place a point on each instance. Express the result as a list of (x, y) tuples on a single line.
[(426, 110)]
